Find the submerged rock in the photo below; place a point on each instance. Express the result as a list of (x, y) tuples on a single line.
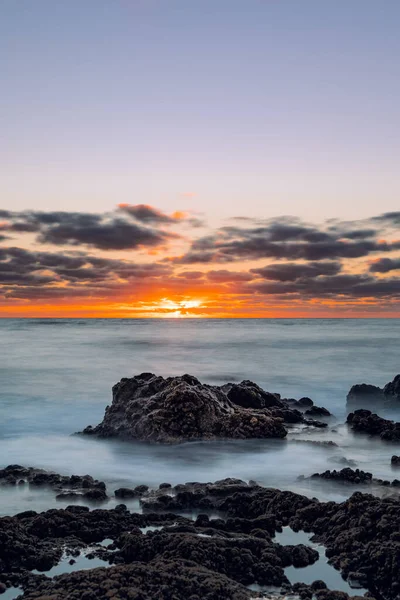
[(151, 408), (365, 421)]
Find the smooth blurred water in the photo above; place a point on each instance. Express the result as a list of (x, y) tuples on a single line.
[(56, 378)]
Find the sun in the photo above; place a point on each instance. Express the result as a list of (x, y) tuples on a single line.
[(178, 308)]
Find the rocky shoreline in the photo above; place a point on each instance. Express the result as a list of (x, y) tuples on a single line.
[(212, 541), (203, 557)]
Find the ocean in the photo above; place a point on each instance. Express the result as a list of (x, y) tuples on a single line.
[(56, 377)]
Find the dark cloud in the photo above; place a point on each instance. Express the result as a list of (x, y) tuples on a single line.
[(389, 217), (69, 274), (285, 239), (293, 271), (146, 213), (225, 276), (102, 231), (384, 265), (336, 286)]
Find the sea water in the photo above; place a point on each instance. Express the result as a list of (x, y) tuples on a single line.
[(56, 378)]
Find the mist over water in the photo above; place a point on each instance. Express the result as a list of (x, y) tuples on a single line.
[(56, 378)]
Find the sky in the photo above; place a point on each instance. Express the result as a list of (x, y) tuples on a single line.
[(223, 158)]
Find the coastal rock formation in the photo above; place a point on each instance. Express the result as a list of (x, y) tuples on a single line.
[(211, 558), (318, 411), (365, 421), (208, 557), (392, 389), (151, 408), (346, 475), (66, 486), (395, 461), (364, 392), (356, 476)]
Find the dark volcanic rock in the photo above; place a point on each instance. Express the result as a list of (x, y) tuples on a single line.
[(392, 389), (365, 421), (364, 391), (347, 475), (305, 401), (370, 393), (249, 395), (68, 486), (362, 537), (318, 411), (136, 492), (151, 408), (161, 579), (395, 461)]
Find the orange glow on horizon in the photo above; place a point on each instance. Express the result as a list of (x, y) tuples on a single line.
[(213, 306)]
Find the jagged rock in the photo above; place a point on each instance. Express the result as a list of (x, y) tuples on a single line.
[(83, 486), (318, 411), (392, 389), (361, 536), (365, 421), (249, 395), (151, 408), (346, 475), (395, 461)]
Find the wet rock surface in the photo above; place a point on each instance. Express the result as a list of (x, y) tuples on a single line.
[(206, 557), (370, 393), (151, 408), (364, 421), (356, 476), (346, 475), (66, 486)]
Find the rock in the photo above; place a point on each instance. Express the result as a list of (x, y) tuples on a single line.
[(249, 395), (318, 411), (151, 408), (125, 493), (364, 391), (346, 475), (305, 401), (66, 486), (392, 389), (395, 461), (364, 421), (371, 393), (361, 536), (95, 495)]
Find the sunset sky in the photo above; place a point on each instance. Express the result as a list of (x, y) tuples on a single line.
[(223, 158)]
